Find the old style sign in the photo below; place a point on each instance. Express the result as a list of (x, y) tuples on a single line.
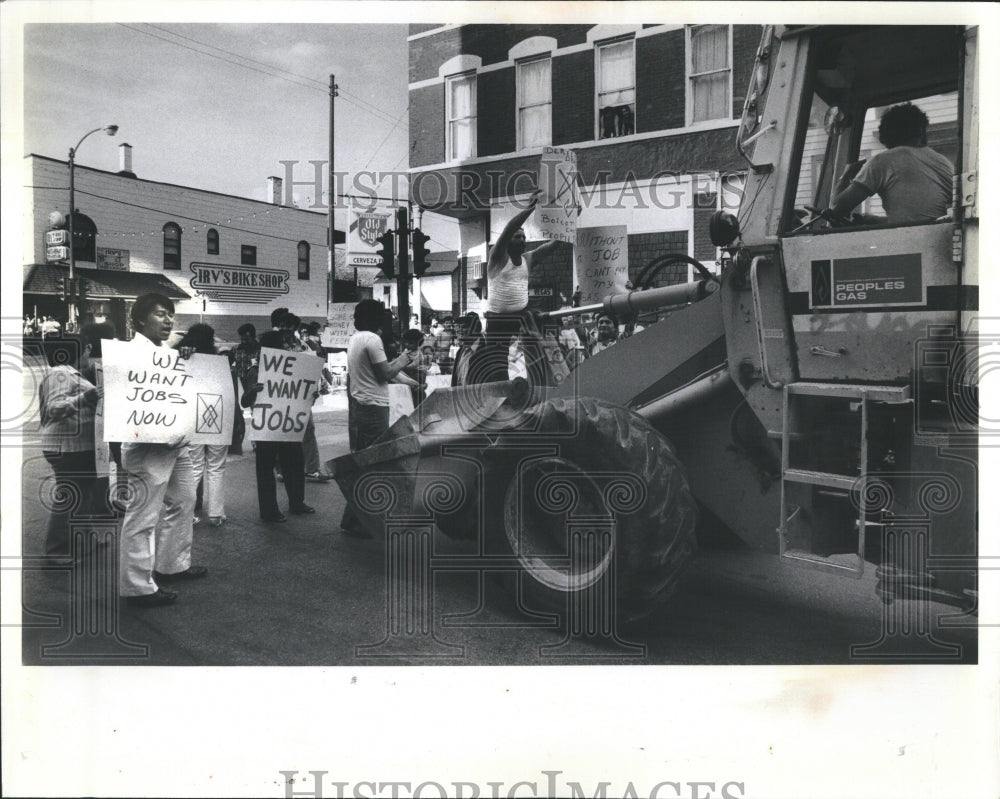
[(364, 238)]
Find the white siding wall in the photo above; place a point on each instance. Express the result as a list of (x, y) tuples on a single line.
[(130, 215)]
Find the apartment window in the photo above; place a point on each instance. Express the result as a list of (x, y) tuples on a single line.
[(171, 246), (534, 103), (212, 239), (303, 260), (709, 73), (248, 255), (461, 116), (616, 89)]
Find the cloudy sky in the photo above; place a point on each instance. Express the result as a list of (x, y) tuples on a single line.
[(218, 106)]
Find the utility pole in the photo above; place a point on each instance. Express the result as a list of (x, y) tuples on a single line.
[(403, 272), (331, 228)]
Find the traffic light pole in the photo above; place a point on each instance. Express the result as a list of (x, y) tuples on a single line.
[(403, 272)]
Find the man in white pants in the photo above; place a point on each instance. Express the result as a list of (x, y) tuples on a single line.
[(157, 529)]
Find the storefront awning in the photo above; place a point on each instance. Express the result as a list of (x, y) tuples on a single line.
[(102, 283)]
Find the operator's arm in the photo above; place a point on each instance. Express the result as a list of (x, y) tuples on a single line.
[(850, 193), (498, 255), (849, 199)]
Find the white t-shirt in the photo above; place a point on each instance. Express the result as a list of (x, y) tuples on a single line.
[(364, 350), (913, 182)]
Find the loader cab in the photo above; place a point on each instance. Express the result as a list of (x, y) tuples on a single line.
[(853, 79), (864, 291)]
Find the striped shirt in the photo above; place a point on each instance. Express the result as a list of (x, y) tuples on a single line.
[(67, 418)]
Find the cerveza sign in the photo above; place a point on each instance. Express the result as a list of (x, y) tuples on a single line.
[(247, 284), (882, 280)]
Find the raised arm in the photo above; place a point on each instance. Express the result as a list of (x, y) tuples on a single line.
[(498, 255)]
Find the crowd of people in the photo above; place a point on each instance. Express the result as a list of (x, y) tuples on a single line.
[(170, 483), (180, 480)]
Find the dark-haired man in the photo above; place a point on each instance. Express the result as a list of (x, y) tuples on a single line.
[(913, 180), (369, 373), (157, 530)]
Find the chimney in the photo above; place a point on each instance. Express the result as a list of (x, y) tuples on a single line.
[(274, 190), (125, 160)]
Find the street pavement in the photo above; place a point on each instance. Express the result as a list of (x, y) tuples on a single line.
[(301, 593)]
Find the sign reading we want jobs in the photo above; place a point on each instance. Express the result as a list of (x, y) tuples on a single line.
[(290, 380), (154, 396)]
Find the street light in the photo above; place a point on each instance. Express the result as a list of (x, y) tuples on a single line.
[(111, 130)]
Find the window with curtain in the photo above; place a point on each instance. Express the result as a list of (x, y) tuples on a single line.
[(616, 89), (461, 116), (213, 241), (303, 260), (534, 103), (171, 246), (709, 73)]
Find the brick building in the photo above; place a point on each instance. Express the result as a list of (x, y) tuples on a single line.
[(650, 111), (223, 259)]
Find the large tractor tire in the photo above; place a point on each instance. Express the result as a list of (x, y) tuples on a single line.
[(598, 503)]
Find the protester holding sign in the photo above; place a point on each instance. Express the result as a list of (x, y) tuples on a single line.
[(368, 392), (278, 431), (157, 531), (507, 272), (208, 461), (67, 402)]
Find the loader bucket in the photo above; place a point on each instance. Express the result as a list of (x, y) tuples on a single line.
[(384, 479)]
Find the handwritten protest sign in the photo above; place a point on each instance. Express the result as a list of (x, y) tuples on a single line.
[(557, 207), (339, 325), (153, 395), (291, 380), (601, 262)]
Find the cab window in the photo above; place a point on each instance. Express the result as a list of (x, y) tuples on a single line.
[(856, 77)]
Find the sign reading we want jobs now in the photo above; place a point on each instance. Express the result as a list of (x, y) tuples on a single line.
[(291, 381), (154, 396)]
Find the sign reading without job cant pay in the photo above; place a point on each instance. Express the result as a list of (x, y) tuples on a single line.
[(290, 380), (152, 395)]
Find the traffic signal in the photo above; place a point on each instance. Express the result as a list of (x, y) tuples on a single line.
[(420, 253), (62, 288), (388, 253), (82, 290)]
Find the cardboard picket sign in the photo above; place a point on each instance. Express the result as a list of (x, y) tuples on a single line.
[(154, 396), (281, 410), (601, 262), (557, 207)]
